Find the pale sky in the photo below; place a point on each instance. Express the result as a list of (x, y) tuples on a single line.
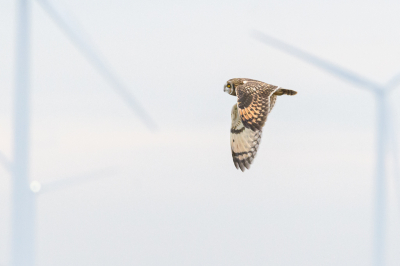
[(174, 197)]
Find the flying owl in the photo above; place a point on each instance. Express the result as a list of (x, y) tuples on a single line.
[(255, 100)]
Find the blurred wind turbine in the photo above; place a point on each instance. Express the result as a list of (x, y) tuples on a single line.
[(381, 93), (395, 155), (23, 198), (80, 40)]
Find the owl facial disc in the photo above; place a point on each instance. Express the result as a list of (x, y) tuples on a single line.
[(228, 88)]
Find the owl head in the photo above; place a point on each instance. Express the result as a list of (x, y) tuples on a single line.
[(230, 85)]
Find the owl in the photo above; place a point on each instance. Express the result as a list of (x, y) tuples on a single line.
[(255, 100)]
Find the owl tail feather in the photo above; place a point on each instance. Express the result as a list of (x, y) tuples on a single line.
[(285, 91)]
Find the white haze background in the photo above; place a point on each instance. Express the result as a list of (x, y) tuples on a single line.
[(173, 197)]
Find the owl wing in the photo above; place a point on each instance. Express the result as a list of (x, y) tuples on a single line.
[(255, 101), (244, 141)]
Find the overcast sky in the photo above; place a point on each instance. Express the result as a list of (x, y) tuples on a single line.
[(174, 197)]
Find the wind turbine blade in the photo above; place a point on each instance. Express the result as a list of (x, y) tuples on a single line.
[(76, 180), (5, 162), (98, 63), (314, 60), (393, 82)]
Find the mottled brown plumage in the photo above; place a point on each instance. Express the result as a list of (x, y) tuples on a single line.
[(255, 100)]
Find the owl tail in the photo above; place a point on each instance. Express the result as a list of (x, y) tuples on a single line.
[(285, 91)]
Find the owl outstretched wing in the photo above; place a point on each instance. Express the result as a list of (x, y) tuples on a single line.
[(244, 141), (255, 101)]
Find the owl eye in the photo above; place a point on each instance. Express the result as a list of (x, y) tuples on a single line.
[(229, 85)]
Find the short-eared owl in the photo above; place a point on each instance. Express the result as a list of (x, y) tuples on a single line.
[(255, 100)]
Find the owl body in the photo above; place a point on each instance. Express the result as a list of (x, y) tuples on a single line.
[(255, 100)]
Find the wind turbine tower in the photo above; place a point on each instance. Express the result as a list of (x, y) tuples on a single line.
[(23, 199), (23, 196)]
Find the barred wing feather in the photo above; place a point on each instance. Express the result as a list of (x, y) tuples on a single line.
[(244, 141)]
